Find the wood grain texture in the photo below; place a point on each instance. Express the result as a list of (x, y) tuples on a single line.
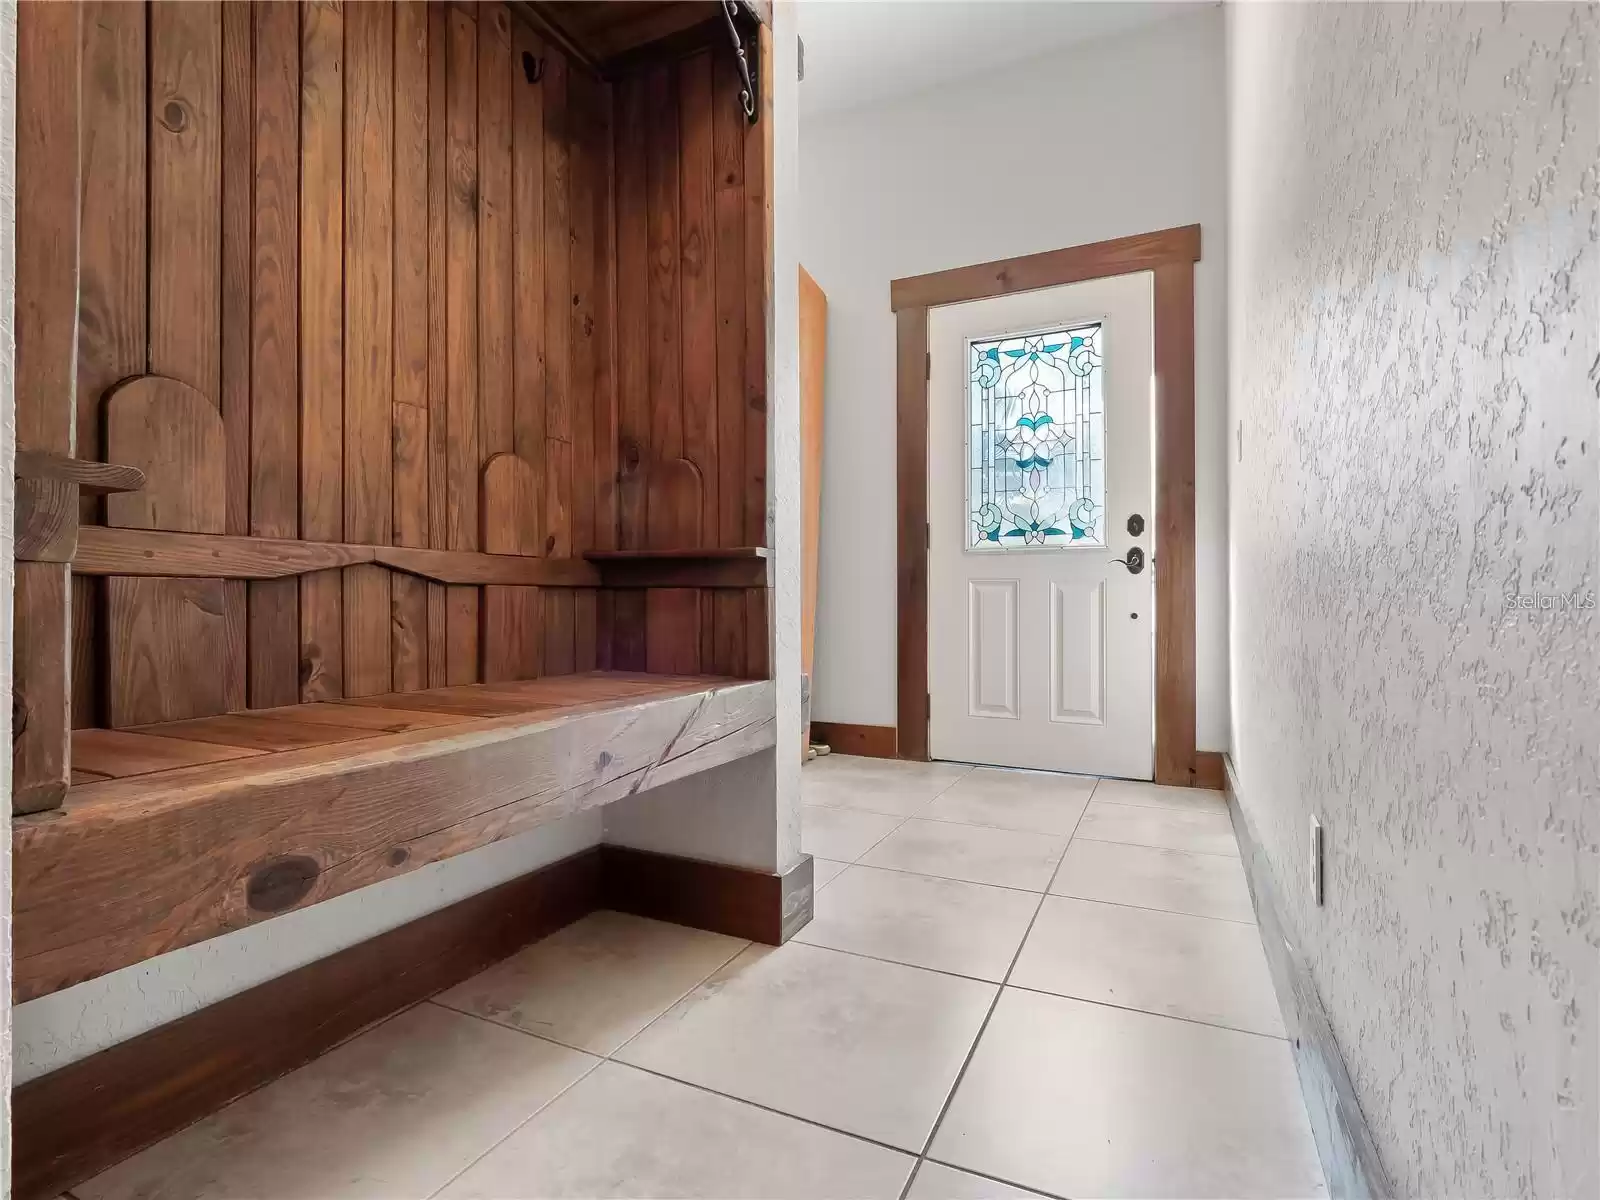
[(911, 530), (513, 617), (728, 135), (49, 45), (173, 434), (495, 229), (758, 194), (96, 890), (1174, 523), (41, 667), (186, 194), (75, 1122), (103, 551), (112, 268), (119, 753), (1051, 268), (558, 390), (476, 569), (757, 905), (867, 741), (321, 601), (176, 649), (633, 267), (698, 285), (273, 626), (368, 339), (237, 258), (528, 240)]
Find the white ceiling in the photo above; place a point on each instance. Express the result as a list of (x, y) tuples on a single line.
[(859, 51)]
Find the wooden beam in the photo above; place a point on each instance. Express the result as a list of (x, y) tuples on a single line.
[(739, 568), (1119, 256), (103, 551), (95, 478), (98, 886), (472, 567)]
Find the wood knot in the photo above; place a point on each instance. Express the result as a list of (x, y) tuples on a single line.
[(532, 67), (398, 856), (174, 117), (604, 761), (550, 544), (281, 884)]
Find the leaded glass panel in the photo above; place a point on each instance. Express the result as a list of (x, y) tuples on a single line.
[(1036, 440)]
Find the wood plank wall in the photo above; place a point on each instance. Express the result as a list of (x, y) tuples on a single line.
[(377, 238), (692, 307)]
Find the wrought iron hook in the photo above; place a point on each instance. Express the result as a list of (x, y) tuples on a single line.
[(747, 90)]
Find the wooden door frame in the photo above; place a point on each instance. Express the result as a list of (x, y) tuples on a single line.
[(1170, 254)]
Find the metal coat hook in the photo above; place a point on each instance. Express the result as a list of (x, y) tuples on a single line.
[(747, 89)]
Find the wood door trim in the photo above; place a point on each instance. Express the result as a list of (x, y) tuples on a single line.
[(1170, 254)]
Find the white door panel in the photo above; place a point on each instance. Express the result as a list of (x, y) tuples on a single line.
[(1040, 644)]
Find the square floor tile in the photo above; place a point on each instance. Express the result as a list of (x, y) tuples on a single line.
[(942, 924), (842, 834), (1079, 1099), (823, 870), (1004, 857), (597, 982), (1036, 801), (876, 784), (392, 1114), (624, 1133), (1205, 885), (1198, 968), (1155, 795), (936, 1181), (1171, 828), (868, 1047)]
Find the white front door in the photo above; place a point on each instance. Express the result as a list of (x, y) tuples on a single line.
[(1041, 644)]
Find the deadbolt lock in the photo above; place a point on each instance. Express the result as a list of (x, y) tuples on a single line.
[(1135, 525)]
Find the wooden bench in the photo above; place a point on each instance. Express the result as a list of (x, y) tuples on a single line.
[(178, 832)]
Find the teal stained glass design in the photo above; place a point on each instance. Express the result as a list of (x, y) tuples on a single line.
[(1036, 440)]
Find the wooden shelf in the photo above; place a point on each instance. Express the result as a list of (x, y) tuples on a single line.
[(178, 832)]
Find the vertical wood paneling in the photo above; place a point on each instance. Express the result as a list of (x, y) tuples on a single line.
[(411, 328), (438, 331), (321, 341), (49, 44), (664, 300), (495, 281), (369, 339), (699, 289), (112, 281), (605, 301), (238, 171), (461, 334), (633, 284), (528, 238), (274, 605), (728, 165), (185, 193), (758, 303), (581, 169), (560, 618)]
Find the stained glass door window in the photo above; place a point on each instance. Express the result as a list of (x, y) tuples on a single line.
[(1036, 440)]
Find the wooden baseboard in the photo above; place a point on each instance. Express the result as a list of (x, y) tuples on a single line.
[(1209, 771), (748, 904), (1350, 1161), (869, 741), (74, 1122), (87, 1116)]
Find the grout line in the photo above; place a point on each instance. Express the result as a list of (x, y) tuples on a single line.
[(1174, 849), (1271, 1037), (895, 962), (1004, 887), (1176, 912), (972, 1050), (939, 1162), (1183, 808)]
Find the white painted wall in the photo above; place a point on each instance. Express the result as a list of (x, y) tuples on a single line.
[(1102, 139), (1415, 320)]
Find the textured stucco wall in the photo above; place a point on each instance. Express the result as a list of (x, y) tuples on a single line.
[(1414, 311)]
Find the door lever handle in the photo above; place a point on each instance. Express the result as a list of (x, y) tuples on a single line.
[(1134, 562)]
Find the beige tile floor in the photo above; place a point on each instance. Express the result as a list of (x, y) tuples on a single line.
[(1016, 984)]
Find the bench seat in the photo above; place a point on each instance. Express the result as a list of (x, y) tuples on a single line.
[(174, 833)]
